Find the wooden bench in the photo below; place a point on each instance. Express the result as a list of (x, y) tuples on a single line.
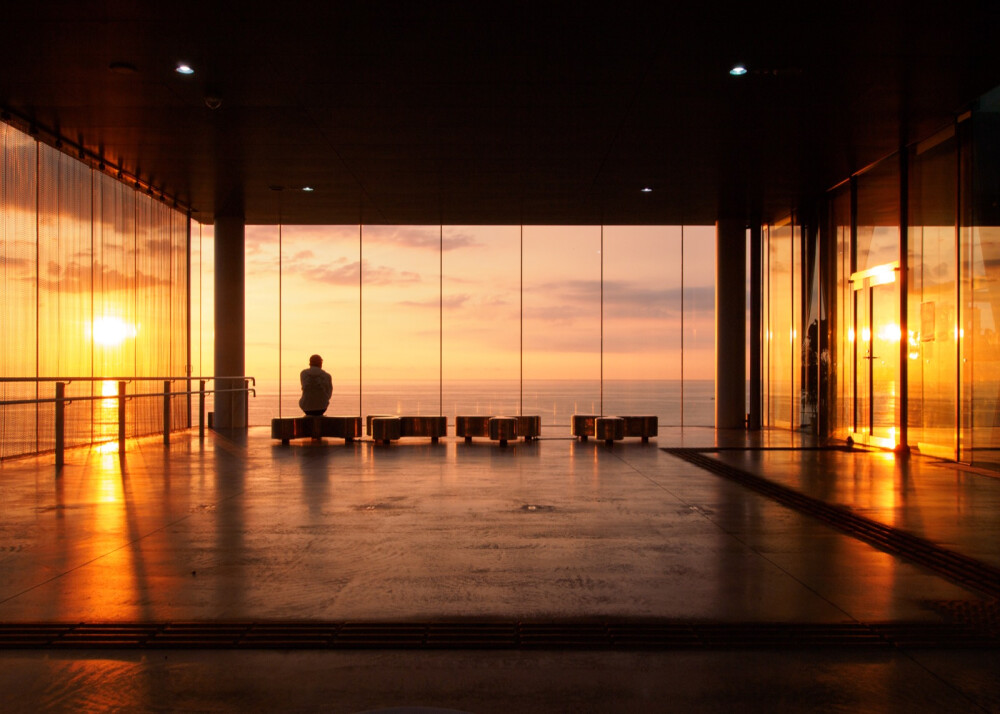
[(589, 425), (642, 426), (316, 427), (386, 428), (525, 427)]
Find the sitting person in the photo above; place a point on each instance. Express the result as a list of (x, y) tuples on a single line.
[(317, 387)]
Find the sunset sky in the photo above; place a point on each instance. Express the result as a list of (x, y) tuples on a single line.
[(410, 315)]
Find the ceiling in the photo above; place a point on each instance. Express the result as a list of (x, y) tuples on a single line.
[(492, 112)]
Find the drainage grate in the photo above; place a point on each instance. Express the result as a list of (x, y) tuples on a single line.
[(626, 635), (972, 574)]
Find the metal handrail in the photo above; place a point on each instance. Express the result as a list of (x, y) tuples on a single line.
[(101, 398), (61, 400), (207, 378)]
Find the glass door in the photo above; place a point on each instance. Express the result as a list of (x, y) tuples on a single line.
[(876, 336)]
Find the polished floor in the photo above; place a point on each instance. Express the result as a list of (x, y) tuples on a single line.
[(241, 529)]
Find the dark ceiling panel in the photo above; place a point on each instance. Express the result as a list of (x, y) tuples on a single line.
[(494, 113)]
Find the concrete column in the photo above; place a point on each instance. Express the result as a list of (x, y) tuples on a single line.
[(730, 324), (230, 328)]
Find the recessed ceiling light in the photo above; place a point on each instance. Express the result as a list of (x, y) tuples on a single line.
[(308, 188), (646, 189), (738, 70), (183, 68)]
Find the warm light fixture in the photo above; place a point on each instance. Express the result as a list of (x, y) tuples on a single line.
[(738, 70), (183, 68)]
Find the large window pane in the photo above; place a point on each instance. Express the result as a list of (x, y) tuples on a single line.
[(699, 326), (878, 245), (981, 289), (562, 322), (18, 289), (780, 331), (263, 327), (321, 315), (932, 300), (642, 321), (401, 320), (482, 320)]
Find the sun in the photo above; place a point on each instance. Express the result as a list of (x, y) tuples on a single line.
[(111, 331)]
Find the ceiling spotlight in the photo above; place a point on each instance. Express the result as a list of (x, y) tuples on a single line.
[(183, 68), (309, 189), (738, 70), (646, 189)]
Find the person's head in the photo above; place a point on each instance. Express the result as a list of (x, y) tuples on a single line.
[(315, 361)]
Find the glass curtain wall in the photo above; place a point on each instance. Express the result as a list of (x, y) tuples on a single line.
[(932, 300), (980, 266), (481, 331), (782, 311), (562, 322), (698, 325), (489, 320), (93, 285), (643, 321), (841, 331)]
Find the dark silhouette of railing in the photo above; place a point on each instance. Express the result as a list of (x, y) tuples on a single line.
[(60, 400)]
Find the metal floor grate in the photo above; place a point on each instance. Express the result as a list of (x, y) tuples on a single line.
[(659, 635)]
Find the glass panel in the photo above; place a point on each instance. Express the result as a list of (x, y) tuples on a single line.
[(18, 290), (263, 327), (642, 321), (401, 338), (862, 361), (878, 215), (932, 300), (780, 335), (981, 289), (203, 301), (321, 294), (562, 322), (842, 325), (482, 320), (796, 330), (699, 326), (114, 329), (884, 361)]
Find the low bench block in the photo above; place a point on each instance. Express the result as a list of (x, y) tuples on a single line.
[(316, 427), (641, 426), (529, 427), (433, 426), (584, 425), (385, 428), (610, 429), (503, 429), (468, 427)]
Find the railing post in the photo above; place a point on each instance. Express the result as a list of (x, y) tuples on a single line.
[(60, 423), (121, 418), (201, 409), (166, 412), (246, 403)]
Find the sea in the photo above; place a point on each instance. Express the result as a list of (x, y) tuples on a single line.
[(674, 403)]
